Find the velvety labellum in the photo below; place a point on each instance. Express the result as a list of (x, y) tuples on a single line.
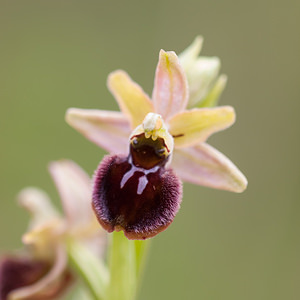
[(16, 273), (137, 194)]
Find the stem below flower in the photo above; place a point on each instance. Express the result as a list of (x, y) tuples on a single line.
[(141, 253), (126, 262), (122, 263)]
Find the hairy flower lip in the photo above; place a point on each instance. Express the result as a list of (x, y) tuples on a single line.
[(119, 205), (26, 278), (129, 234), (16, 272)]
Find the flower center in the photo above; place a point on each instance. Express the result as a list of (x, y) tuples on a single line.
[(137, 193), (150, 143)]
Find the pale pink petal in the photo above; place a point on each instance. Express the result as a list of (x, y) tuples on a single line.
[(108, 129), (39, 205), (193, 126), (170, 93), (74, 187), (132, 100), (51, 285), (204, 165)]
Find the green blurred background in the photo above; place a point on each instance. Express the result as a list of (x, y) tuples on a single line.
[(57, 54)]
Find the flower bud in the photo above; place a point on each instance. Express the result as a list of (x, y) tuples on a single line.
[(202, 72)]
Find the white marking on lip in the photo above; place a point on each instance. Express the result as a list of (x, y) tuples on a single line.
[(143, 181)]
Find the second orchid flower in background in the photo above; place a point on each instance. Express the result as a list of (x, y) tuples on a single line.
[(42, 270)]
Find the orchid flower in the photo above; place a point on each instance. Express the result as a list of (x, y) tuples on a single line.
[(41, 270), (135, 188)]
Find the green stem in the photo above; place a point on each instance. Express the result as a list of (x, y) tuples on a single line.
[(141, 252), (90, 268), (126, 263), (122, 263), (81, 293)]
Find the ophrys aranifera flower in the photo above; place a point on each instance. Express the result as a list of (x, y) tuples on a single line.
[(152, 124)]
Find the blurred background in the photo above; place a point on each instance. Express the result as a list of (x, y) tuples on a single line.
[(57, 54)]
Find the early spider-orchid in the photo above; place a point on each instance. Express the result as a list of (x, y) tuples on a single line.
[(136, 189)]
